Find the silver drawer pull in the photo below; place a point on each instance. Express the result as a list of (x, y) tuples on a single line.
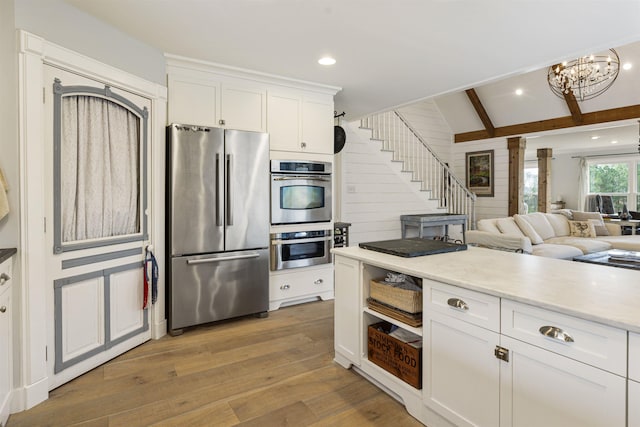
[(555, 333), (458, 303), (318, 282), (285, 287), (4, 278), (3, 309)]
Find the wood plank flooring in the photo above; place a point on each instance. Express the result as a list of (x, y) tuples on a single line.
[(277, 371)]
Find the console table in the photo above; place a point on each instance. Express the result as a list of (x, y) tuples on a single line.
[(425, 221), (633, 223)]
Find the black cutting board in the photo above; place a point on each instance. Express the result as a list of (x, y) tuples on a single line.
[(412, 247)]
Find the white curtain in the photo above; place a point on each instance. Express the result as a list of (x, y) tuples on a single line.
[(99, 169), (583, 181)]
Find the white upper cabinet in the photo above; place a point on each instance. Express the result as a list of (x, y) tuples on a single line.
[(300, 123), (298, 116)]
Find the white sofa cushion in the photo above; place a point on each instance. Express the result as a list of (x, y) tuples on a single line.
[(627, 243), (586, 245), (528, 229), (551, 250), (560, 224), (540, 223), (508, 226)]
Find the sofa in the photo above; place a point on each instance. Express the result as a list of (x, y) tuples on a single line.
[(563, 234)]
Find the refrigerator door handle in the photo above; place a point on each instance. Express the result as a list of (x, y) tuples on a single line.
[(229, 189), (220, 259), (218, 191)]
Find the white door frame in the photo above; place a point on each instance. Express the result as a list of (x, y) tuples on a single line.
[(34, 52)]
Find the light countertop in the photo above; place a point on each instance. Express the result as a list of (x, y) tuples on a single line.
[(607, 295)]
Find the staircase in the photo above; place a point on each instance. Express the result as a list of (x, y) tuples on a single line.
[(435, 177)]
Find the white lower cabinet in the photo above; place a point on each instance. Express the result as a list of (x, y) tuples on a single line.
[(494, 362), (542, 388), (461, 373), (347, 312), (6, 338), (299, 285)]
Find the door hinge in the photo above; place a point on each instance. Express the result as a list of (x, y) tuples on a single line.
[(46, 353), (501, 353)]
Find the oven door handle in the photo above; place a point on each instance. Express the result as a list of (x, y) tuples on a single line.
[(296, 241), (298, 178)]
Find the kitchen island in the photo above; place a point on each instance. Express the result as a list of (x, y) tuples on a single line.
[(508, 339)]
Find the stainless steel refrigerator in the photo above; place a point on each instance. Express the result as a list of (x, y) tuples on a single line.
[(217, 224)]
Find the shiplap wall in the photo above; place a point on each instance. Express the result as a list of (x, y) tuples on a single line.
[(498, 205), (373, 190)]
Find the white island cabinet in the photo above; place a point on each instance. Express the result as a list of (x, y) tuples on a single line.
[(6, 338), (504, 348)]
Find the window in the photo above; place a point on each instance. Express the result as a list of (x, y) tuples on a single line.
[(615, 177), (530, 196), (99, 152)]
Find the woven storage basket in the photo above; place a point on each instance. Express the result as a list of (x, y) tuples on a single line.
[(396, 295)]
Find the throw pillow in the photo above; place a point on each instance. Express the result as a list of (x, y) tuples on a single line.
[(528, 230), (582, 229), (508, 226), (601, 229)]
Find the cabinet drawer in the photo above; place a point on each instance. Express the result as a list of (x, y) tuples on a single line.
[(299, 284), (634, 356), (473, 307), (593, 343), (5, 275)]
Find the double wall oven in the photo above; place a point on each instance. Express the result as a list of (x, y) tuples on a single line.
[(300, 195)]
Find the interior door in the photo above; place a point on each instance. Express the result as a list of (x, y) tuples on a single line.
[(96, 293)]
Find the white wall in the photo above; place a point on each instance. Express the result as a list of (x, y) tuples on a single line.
[(374, 193), (498, 205), (62, 24), (426, 119)]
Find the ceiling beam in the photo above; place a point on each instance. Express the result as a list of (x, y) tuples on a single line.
[(574, 108), (482, 113), (596, 117)]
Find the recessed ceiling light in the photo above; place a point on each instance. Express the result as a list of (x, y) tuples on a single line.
[(595, 137), (627, 66), (519, 92), (327, 60), (614, 142)]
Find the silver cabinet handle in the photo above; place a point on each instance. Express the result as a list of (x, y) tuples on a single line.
[(3, 309), (555, 333), (457, 303), (285, 287), (318, 282), (303, 144), (4, 278)]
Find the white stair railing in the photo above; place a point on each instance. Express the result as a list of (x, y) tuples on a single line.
[(435, 176)]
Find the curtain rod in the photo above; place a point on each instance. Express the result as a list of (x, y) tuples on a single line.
[(605, 155)]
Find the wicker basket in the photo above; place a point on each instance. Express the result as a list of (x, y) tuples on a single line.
[(396, 295)]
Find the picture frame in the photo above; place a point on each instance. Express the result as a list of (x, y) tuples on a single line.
[(480, 172)]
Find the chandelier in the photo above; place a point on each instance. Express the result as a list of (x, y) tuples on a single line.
[(587, 77)]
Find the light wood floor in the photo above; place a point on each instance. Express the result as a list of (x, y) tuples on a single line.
[(276, 371)]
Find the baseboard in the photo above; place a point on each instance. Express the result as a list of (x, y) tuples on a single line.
[(158, 330), (27, 397)]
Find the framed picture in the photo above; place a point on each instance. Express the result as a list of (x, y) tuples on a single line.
[(479, 169)]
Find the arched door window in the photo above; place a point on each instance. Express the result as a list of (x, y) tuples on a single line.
[(100, 141)]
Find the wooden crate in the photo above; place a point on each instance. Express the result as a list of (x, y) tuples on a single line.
[(394, 356)]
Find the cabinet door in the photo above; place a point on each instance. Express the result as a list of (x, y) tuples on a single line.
[(461, 373), (193, 102), (5, 354), (243, 108), (634, 404), (284, 117), (347, 311), (541, 388), (317, 126)]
